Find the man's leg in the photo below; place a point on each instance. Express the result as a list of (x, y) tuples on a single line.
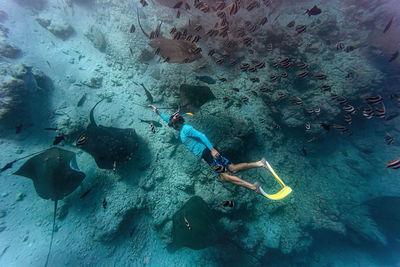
[(236, 180), (234, 168)]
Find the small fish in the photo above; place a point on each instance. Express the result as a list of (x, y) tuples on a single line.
[(327, 127), (263, 21), (104, 203), (394, 56), (291, 24), (115, 166), (187, 223), (307, 126), (284, 74), (273, 78), (48, 64), (148, 95), (349, 48), (50, 129), (313, 11), (261, 120), (340, 128), (326, 88), (389, 140), (348, 119), (143, 2), (222, 79), (187, 6), (81, 140), (302, 74), (178, 4), (81, 100), (395, 164), (85, 194), (132, 29), (349, 109), (153, 129), (368, 112), (178, 14), (373, 99), (255, 79), (320, 76), (380, 112), (317, 111), (301, 28), (228, 203), (155, 123), (206, 79), (388, 25), (58, 139), (339, 46), (131, 51), (277, 126), (18, 128), (236, 89)]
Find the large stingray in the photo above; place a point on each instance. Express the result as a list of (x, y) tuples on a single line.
[(55, 175), (173, 51), (204, 227), (108, 145)]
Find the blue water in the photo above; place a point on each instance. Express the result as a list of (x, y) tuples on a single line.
[(60, 57)]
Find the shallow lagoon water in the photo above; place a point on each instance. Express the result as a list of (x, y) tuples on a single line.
[(60, 57)]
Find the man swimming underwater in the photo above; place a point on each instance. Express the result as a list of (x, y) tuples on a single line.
[(199, 145)]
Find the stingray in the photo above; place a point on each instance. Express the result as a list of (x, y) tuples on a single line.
[(202, 228), (55, 175), (203, 222), (173, 51), (108, 145)]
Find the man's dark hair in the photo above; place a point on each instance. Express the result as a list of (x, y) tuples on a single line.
[(175, 120)]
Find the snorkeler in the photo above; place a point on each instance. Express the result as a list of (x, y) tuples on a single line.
[(199, 144)]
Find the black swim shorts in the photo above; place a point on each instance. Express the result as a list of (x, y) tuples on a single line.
[(219, 165)]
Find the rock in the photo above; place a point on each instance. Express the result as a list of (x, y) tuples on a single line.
[(94, 82), (9, 51), (3, 16), (59, 28), (22, 90), (2, 228), (19, 197), (97, 38), (37, 4), (3, 31)]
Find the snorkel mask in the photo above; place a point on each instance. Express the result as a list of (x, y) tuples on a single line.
[(175, 117)]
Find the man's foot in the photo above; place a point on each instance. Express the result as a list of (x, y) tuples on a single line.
[(257, 186), (264, 162)]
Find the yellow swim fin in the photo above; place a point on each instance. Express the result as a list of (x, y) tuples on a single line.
[(284, 192)]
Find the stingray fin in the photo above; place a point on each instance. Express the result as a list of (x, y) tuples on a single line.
[(74, 165), (52, 232)]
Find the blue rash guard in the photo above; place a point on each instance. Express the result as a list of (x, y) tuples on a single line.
[(193, 140)]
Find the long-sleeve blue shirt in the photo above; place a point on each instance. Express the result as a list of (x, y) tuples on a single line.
[(193, 140)]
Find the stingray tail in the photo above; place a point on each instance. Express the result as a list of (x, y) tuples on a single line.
[(52, 232), (91, 111), (140, 25)]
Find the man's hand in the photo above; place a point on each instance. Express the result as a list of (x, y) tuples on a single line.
[(154, 108), (214, 153)]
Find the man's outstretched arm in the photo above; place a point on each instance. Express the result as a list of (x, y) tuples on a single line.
[(163, 116)]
